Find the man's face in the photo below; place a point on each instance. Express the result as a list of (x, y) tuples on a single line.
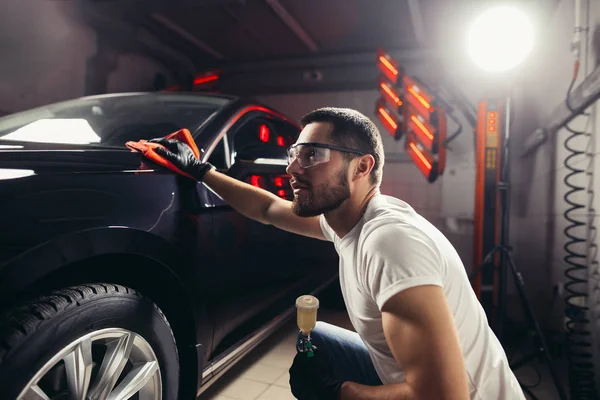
[(322, 187)]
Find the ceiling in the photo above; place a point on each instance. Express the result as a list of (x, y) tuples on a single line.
[(233, 31), (282, 28), (199, 35)]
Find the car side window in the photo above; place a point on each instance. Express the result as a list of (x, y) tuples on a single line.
[(218, 157)]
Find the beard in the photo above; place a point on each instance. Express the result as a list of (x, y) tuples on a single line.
[(325, 198)]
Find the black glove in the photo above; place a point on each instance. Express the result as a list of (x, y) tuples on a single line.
[(182, 156), (313, 378)]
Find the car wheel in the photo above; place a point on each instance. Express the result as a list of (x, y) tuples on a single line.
[(96, 341)]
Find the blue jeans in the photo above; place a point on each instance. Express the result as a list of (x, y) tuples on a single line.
[(347, 353)]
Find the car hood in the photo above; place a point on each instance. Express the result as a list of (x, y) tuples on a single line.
[(65, 158)]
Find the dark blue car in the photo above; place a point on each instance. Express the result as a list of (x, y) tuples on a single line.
[(120, 278)]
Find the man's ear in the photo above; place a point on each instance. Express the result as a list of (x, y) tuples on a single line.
[(364, 166)]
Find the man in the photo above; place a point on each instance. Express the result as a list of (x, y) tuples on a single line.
[(420, 331)]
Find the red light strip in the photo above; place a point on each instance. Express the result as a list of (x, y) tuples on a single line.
[(388, 118), (424, 129), (420, 155), (389, 91), (255, 180), (419, 97), (388, 65), (204, 79)]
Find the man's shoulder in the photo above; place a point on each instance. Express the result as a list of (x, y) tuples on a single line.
[(388, 215), (394, 231), (389, 232)]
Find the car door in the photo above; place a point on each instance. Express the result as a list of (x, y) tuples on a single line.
[(248, 248), (253, 273), (285, 258), (309, 262)]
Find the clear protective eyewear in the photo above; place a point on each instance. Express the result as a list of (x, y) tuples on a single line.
[(311, 153)]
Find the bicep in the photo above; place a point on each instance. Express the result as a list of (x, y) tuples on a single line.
[(420, 331), (280, 214)]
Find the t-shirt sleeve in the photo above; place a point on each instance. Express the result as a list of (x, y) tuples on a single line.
[(327, 231), (397, 258)]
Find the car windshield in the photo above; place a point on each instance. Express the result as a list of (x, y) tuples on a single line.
[(111, 120)]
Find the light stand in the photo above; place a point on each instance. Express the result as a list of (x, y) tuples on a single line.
[(505, 256)]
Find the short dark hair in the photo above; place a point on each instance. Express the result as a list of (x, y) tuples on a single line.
[(354, 130)]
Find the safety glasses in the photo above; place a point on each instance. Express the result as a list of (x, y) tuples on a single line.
[(311, 153)]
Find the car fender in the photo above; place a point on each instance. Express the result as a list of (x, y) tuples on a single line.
[(33, 266), (79, 246)]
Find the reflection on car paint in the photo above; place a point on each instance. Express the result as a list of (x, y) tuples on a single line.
[(15, 173)]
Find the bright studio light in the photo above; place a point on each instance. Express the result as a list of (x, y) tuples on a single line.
[(500, 39)]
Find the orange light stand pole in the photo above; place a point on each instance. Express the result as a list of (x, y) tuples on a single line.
[(488, 156)]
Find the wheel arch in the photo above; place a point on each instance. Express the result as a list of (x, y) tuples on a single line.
[(129, 257)]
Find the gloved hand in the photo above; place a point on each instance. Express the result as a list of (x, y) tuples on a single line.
[(314, 378), (182, 156)]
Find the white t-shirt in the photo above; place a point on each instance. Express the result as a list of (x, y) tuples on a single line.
[(392, 248)]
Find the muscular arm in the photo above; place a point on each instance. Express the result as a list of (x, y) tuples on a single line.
[(262, 205), (421, 335), (254, 203), (399, 391)]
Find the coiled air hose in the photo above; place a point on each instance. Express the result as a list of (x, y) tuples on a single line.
[(579, 337)]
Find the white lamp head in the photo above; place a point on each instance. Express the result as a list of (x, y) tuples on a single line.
[(500, 38)]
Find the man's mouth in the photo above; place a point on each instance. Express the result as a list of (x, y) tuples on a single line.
[(300, 190), (298, 186)]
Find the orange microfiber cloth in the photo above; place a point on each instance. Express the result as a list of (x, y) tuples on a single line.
[(148, 149)]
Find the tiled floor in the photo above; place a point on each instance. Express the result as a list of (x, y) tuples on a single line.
[(263, 374)]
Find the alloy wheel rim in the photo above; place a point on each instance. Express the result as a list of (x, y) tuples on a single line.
[(108, 364)]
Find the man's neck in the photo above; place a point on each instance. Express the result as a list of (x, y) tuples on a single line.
[(344, 218)]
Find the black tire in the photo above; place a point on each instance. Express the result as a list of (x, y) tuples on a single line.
[(33, 333)]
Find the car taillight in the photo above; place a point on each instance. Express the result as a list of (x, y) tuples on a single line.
[(278, 185), (263, 133), (255, 181), (280, 141)]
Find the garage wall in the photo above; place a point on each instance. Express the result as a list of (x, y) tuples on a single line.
[(44, 53), (539, 220), (538, 180), (133, 72)]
